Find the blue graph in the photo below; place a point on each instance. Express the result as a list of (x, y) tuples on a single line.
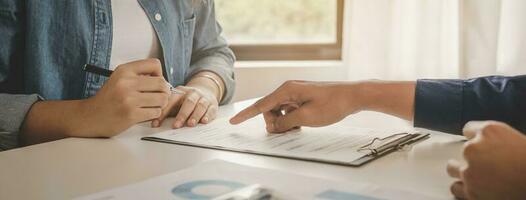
[(337, 195), (186, 190)]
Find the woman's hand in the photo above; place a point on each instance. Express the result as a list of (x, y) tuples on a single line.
[(199, 102), (196, 105), (135, 92)]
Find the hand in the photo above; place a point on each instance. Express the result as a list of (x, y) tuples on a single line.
[(302, 103), (495, 156), (197, 105), (135, 92)]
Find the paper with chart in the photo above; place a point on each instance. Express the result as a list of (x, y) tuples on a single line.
[(215, 178), (333, 144)]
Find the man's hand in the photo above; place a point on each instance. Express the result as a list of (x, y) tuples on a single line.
[(496, 163), (302, 103), (135, 92)]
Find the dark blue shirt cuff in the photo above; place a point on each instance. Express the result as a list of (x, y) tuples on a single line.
[(438, 105)]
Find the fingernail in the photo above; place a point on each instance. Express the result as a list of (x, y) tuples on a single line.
[(155, 123), (192, 122), (270, 127), (205, 119), (178, 124)]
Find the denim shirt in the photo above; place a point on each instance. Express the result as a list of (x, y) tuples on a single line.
[(45, 43)]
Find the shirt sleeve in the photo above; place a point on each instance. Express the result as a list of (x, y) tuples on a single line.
[(447, 105), (13, 110), (210, 50)]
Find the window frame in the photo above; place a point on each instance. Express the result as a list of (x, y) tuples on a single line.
[(314, 51)]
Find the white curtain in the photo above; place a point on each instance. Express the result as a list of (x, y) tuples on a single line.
[(409, 39)]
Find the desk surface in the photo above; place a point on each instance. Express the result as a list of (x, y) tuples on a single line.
[(75, 166)]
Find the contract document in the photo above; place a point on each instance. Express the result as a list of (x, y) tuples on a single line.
[(336, 144)]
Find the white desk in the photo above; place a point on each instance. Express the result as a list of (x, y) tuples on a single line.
[(74, 167)]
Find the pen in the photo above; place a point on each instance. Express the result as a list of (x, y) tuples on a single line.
[(251, 192), (107, 73)]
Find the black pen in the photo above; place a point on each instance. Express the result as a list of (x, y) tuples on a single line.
[(107, 73)]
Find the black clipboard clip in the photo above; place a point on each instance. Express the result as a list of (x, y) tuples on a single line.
[(378, 147)]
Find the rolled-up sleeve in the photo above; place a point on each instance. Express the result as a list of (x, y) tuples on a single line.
[(210, 50), (446, 105), (13, 110)]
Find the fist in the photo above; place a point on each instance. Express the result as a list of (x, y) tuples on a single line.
[(135, 92), (495, 163)]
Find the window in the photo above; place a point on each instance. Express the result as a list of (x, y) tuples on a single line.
[(282, 30)]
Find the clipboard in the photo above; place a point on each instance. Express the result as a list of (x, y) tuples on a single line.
[(391, 146), (388, 144)]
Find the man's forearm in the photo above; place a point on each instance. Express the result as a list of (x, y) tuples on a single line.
[(390, 97), (51, 120)]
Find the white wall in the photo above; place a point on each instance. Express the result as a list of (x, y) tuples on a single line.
[(255, 79)]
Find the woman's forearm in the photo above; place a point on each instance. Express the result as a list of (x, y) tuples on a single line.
[(51, 120), (203, 80), (128, 97)]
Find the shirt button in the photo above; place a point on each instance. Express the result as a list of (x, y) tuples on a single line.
[(158, 17)]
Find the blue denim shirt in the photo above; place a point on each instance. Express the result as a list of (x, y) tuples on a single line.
[(45, 43)]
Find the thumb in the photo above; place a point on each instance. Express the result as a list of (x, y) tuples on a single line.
[(289, 121), (471, 128)]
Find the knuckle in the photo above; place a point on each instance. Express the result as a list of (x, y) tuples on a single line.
[(302, 113), (127, 101), (191, 99), (182, 87), (213, 109), (202, 102), (452, 188), (470, 149), (164, 96), (119, 68), (182, 116), (128, 114), (191, 90), (164, 100), (161, 82), (122, 85), (154, 61), (157, 112), (289, 83), (455, 189), (211, 112), (492, 127), (467, 174)]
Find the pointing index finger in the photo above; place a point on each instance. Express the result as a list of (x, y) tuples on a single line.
[(265, 104), (245, 114)]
